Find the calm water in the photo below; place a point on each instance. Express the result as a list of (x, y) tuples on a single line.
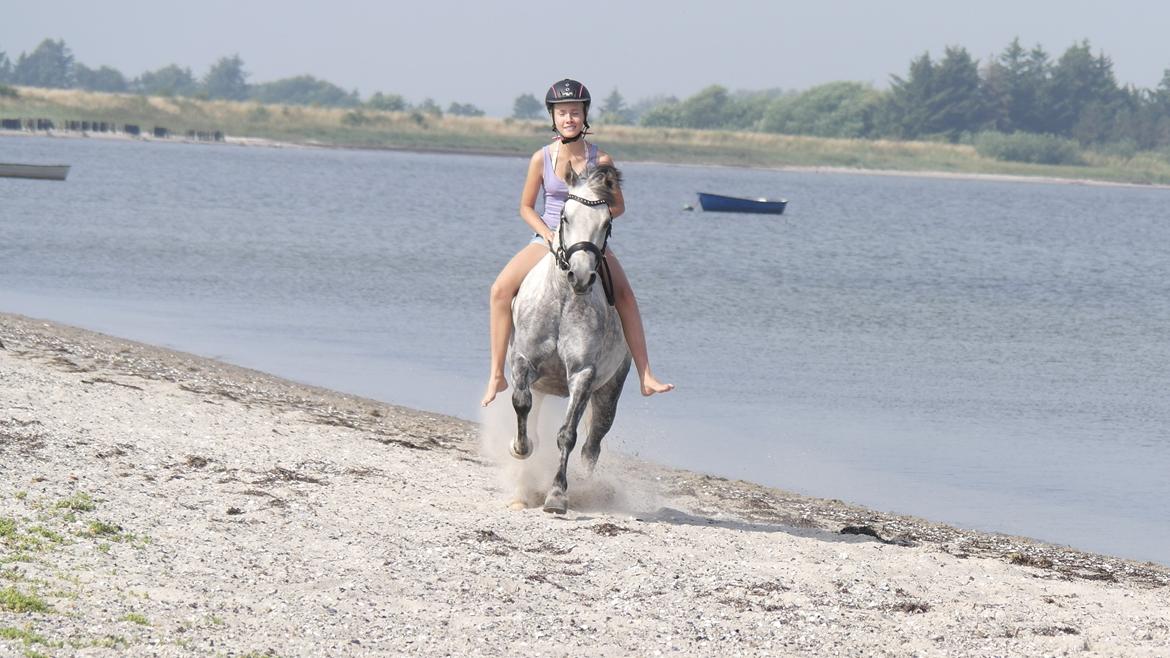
[(989, 354)]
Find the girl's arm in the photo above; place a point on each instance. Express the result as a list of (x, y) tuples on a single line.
[(528, 196), (619, 202)]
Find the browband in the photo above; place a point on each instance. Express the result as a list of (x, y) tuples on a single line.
[(588, 202)]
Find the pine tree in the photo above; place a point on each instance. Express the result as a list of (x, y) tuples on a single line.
[(907, 112), (1081, 81), (614, 110), (956, 104), (226, 79), (527, 107), (50, 65)]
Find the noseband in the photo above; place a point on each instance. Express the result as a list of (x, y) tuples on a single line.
[(562, 255)]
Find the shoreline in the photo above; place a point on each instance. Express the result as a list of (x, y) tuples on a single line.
[(254, 513), (230, 140)]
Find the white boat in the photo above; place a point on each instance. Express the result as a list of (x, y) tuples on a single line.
[(43, 172)]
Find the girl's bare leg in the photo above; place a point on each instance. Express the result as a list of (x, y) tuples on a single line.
[(500, 313), (627, 307)]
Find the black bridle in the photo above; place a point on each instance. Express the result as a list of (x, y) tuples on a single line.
[(562, 254)]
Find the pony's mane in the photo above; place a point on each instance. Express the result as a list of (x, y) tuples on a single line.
[(603, 181)]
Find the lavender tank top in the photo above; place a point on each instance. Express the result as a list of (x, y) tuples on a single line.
[(556, 192)]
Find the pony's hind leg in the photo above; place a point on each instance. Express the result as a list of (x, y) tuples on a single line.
[(603, 404), (557, 501), (521, 447)]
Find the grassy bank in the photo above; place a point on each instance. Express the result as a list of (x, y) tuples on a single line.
[(377, 129)]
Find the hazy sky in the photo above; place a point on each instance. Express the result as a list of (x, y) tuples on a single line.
[(487, 53)]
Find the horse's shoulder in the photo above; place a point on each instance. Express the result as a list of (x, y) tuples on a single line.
[(537, 274)]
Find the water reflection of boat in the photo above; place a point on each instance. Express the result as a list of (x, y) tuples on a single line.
[(720, 203), (43, 172)]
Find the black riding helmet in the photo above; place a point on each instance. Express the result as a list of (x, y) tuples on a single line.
[(568, 91)]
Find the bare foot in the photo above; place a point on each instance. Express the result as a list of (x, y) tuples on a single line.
[(496, 384), (651, 385)]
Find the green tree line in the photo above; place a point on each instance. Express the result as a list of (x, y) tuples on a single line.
[(1050, 104), (53, 65), (1021, 104)]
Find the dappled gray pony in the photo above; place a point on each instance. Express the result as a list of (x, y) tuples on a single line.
[(568, 339)]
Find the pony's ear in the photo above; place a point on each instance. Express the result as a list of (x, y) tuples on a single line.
[(611, 177), (571, 178)]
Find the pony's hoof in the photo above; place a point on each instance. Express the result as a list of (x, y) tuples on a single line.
[(529, 448), (556, 503)]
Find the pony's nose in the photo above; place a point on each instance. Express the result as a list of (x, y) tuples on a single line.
[(580, 284)]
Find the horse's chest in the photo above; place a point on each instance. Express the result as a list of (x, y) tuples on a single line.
[(558, 332), (589, 335)]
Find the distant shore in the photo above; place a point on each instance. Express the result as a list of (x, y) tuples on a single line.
[(159, 502), (287, 125), (231, 140)]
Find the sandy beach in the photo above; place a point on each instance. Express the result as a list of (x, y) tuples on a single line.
[(156, 503)]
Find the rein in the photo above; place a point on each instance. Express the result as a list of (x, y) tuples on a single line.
[(562, 255)]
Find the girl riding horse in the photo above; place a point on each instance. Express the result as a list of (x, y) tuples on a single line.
[(567, 102)]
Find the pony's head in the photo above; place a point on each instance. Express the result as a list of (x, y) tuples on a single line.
[(585, 224)]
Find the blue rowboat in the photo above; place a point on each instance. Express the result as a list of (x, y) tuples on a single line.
[(720, 203)]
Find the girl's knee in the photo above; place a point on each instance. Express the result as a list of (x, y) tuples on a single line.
[(501, 292)]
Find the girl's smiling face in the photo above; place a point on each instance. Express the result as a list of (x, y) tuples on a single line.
[(569, 117)]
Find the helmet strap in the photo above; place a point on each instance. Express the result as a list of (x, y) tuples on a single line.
[(570, 140)]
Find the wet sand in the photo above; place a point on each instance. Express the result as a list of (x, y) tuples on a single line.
[(158, 503)]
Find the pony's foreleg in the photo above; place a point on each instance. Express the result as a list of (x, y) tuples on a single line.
[(579, 384), (603, 403), (521, 447)]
